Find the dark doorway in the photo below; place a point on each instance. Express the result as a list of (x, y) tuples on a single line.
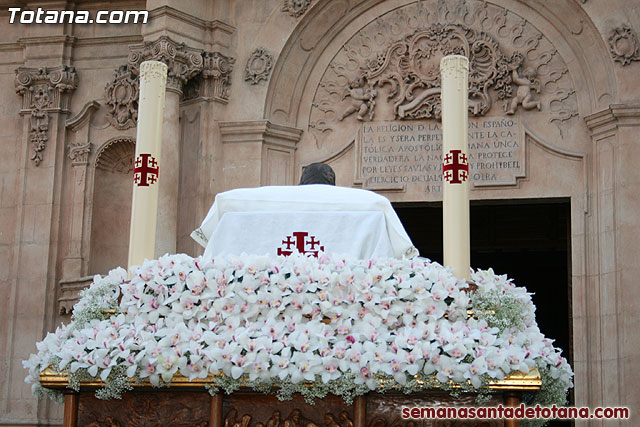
[(528, 240)]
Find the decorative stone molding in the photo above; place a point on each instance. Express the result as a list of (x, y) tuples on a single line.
[(609, 120), (83, 118), (296, 7), (184, 62), (261, 131), (116, 155), (45, 87), (258, 66), (624, 45), (122, 99), (79, 153), (69, 290), (44, 90)]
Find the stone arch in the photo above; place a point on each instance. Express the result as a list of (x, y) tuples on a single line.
[(116, 155), (111, 205), (577, 41)]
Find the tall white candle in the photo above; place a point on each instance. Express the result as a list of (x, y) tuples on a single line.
[(147, 170), (454, 70)]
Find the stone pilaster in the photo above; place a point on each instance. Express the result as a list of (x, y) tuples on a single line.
[(261, 152), (613, 294), (44, 91), (73, 263), (45, 94)]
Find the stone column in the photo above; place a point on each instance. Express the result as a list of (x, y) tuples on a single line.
[(184, 63), (613, 294)]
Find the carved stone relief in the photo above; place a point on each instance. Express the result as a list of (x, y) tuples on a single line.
[(624, 45), (258, 66), (411, 68), (389, 70), (184, 62), (44, 90), (296, 7), (122, 99)]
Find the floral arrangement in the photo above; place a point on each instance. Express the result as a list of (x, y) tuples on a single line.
[(348, 326)]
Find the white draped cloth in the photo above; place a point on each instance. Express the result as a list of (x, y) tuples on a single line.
[(277, 220)]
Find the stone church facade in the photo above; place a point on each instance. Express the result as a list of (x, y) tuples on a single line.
[(259, 89)]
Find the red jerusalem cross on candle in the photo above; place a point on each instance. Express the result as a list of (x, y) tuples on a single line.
[(455, 168), (145, 171)]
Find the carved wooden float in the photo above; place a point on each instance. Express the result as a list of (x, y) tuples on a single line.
[(188, 404)]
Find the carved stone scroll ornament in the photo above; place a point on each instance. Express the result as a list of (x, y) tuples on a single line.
[(44, 90), (296, 7), (624, 45), (122, 99), (79, 153), (258, 66), (184, 62), (410, 67)]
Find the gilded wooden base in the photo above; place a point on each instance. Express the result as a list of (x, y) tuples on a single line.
[(187, 404), (51, 378)]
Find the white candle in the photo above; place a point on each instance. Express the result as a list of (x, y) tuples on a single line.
[(147, 170), (454, 70)]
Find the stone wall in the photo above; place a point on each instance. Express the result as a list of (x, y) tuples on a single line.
[(259, 89)]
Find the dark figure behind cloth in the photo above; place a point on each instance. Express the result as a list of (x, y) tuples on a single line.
[(318, 173)]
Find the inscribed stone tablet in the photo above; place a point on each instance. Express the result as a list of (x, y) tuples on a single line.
[(409, 153)]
